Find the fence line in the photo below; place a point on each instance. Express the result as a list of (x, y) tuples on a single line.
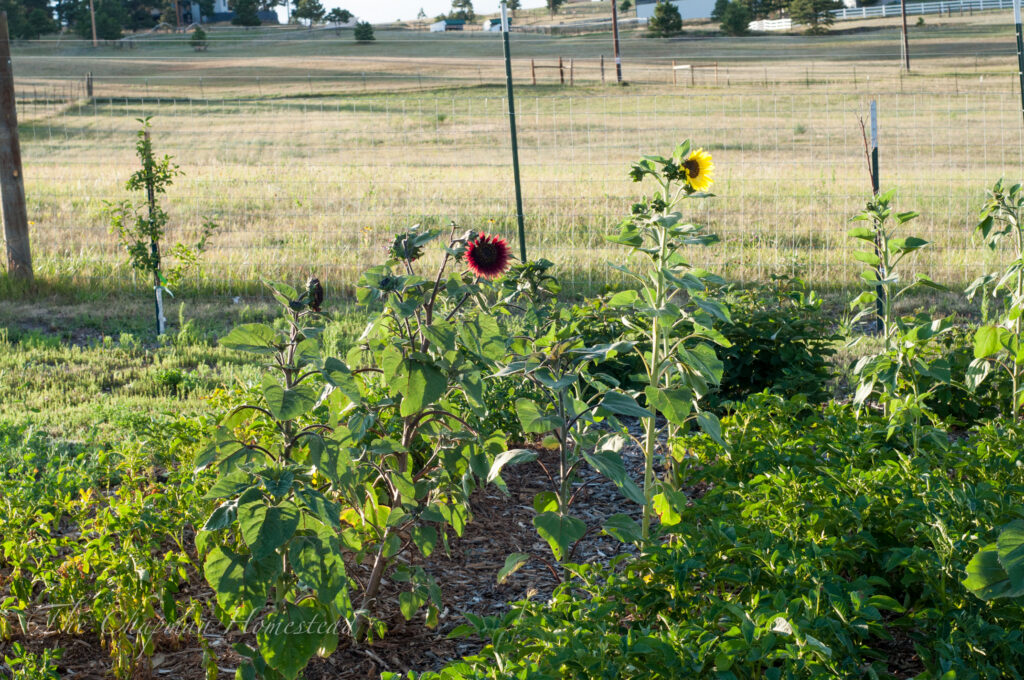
[(316, 183), (981, 74), (943, 7)]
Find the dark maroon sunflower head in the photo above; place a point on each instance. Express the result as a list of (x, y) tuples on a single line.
[(487, 256)]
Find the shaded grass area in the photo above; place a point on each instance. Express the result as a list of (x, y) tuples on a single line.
[(77, 367), (80, 362)]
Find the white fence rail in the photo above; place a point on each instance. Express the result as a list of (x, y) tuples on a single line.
[(893, 9), (771, 25)]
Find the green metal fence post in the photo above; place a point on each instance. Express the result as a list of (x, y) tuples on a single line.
[(512, 129)]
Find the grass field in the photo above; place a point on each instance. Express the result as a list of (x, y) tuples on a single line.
[(307, 169), (311, 150)]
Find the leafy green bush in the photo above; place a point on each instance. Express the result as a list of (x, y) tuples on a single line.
[(336, 468), (198, 39), (906, 372), (28, 666), (599, 323), (819, 549), (88, 531), (781, 342), (953, 401), (999, 345)]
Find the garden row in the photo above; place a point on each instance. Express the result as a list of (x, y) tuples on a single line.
[(777, 533)]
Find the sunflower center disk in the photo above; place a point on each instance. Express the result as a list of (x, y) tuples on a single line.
[(485, 254), (692, 168)]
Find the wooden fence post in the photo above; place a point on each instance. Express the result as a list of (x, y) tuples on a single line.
[(561, 72), (12, 184), (602, 69), (572, 71), (533, 72), (675, 81)]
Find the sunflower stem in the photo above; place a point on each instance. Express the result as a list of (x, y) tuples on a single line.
[(654, 379)]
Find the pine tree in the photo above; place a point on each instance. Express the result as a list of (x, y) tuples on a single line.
[(111, 18), (666, 19), (719, 10), (310, 10), (736, 18), (339, 16), (364, 32), (815, 14), (462, 9), (198, 39), (245, 13)]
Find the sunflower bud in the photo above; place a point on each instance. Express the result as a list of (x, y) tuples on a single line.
[(314, 293), (405, 247)]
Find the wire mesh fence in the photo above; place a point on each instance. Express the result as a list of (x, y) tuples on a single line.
[(314, 178)]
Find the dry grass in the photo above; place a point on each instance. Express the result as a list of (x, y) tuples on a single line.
[(307, 172)]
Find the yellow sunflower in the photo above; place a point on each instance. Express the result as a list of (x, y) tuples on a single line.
[(698, 168)]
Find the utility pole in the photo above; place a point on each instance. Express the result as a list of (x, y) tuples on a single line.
[(615, 39), (512, 129), (906, 43), (12, 183), (92, 16)]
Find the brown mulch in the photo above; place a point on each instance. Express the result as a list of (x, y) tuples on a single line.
[(501, 525)]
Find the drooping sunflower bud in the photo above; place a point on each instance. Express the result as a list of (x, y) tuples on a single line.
[(314, 293), (405, 247)]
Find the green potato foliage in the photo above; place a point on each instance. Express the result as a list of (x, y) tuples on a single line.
[(339, 467), (815, 551), (91, 536)]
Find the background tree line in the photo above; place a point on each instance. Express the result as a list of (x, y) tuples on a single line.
[(734, 16), (30, 19)]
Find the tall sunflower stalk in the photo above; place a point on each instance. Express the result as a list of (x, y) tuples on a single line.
[(670, 311), (1001, 344)]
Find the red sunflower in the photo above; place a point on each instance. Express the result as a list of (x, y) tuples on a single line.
[(487, 256)]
